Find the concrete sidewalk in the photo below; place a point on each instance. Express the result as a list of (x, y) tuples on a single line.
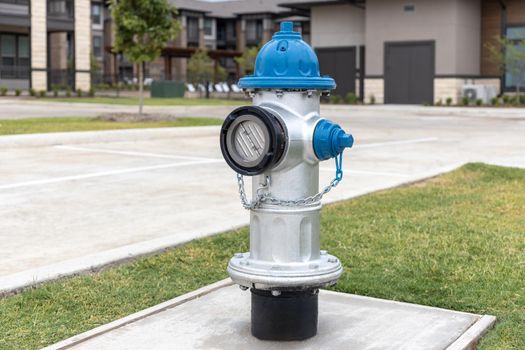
[(75, 202), (11, 108), (20, 109), (218, 317)]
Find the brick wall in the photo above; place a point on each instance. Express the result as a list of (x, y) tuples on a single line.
[(491, 28), (375, 87)]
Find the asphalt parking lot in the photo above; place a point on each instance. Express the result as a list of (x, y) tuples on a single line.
[(70, 204)]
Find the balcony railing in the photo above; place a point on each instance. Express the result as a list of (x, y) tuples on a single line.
[(15, 2), (61, 78), (14, 72)]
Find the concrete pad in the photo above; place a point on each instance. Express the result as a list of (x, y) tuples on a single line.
[(218, 317)]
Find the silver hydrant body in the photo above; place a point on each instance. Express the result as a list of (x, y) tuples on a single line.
[(279, 141)]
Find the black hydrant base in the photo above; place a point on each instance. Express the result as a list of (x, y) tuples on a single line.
[(289, 316)]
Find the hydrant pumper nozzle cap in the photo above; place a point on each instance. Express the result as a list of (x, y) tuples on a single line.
[(287, 62), (330, 140)]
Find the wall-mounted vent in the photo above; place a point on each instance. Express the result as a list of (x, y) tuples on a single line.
[(409, 8)]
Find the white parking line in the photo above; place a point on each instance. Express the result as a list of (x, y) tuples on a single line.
[(131, 153), (105, 173), (401, 142), (194, 161)]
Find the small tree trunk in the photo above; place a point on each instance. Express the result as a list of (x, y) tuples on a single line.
[(141, 88), (207, 89)]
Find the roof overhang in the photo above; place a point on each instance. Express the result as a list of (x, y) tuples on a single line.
[(307, 5)]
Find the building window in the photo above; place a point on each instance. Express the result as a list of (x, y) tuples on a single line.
[(8, 50), (192, 28), (254, 31), (208, 27), (517, 35), (97, 46), (60, 8), (96, 13), (23, 51), (14, 56)]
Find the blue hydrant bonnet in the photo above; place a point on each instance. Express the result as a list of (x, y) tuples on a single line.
[(286, 62)]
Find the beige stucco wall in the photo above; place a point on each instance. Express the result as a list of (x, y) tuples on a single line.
[(374, 87), (454, 25), (38, 45), (337, 25), (468, 37), (82, 44)]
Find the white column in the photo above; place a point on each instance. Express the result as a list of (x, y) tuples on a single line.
[(82, 44), (38, 45)]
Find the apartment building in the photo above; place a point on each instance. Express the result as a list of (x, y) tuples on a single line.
[(225, 29), (68, 43), (412, 51), (45, 43)]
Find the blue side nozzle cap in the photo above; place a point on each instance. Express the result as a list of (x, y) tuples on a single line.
[(287, 62), (330, 140)]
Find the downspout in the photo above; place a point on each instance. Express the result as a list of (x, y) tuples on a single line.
[(503, 29)]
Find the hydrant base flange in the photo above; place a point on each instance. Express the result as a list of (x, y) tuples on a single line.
[(249, 272), (284, 317)]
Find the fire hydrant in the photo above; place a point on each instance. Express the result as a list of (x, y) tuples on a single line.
[(279, 141)]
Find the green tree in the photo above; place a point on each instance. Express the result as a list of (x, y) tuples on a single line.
[(509, 55), (246, 61), (94, 68), (203, 70), (142, 29)]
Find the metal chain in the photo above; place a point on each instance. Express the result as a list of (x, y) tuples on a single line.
[(263, 196)]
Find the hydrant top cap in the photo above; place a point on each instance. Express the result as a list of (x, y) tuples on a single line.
[(286, 62)]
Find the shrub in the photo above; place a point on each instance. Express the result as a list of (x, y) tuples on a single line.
[(449, 101), (32, 92), (91, 92), (351, 98), (79, 92), (42, 93), (479, 102), (103, 87), (3, 90), (517, 100), (465, 101), (506, 99), (494, 101), (18, 92), (68, 92), (55, 90), (439, 102), (335, 99), (372, 100)]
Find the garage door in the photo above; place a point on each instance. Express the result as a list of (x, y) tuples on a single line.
[(409, 72), (339, 63)]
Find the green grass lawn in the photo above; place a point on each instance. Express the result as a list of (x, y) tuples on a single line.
[(456, 241), (149, 101), (43, 125)]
